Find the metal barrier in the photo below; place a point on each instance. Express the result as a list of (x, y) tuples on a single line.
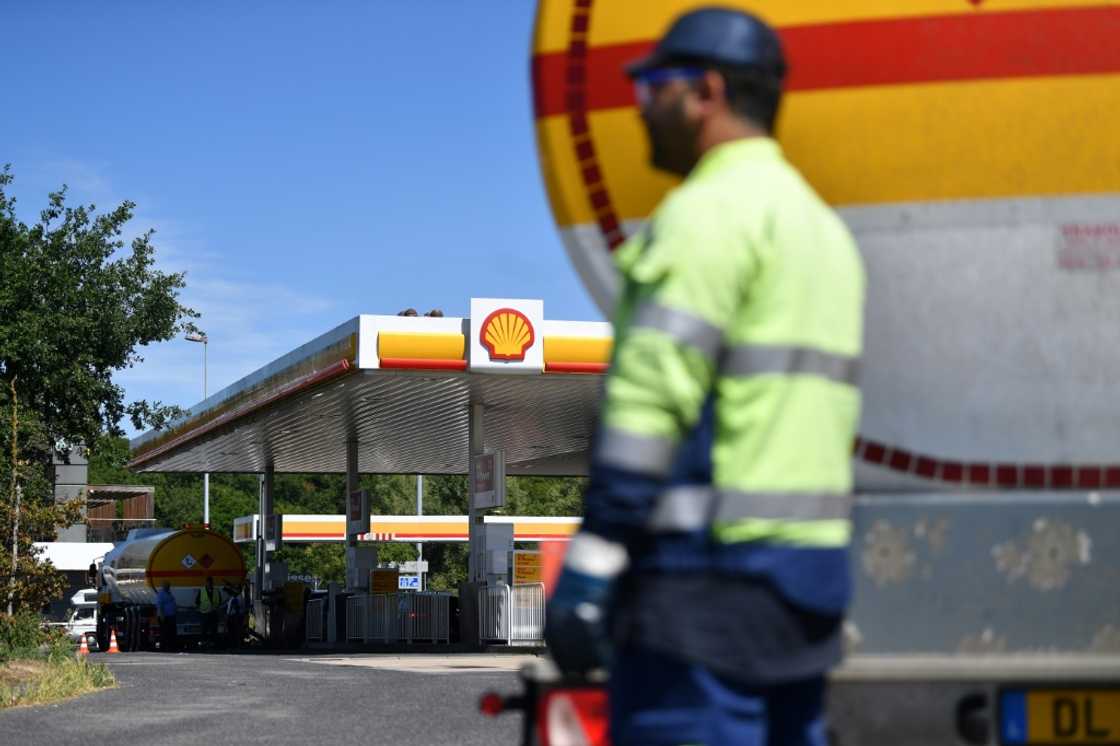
[(526, 614), (383, 619), (408, 617), (512, 615), (357, 610), (493, 613), (315, 609), (425, 616)]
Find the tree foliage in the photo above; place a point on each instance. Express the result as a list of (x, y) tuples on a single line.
[(75, 304), (74, 307)]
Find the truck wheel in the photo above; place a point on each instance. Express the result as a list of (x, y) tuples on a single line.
[(102, 630), (124, 639), (133, 625), (138, 629), (139, 625), (145, 631), (134, 630)]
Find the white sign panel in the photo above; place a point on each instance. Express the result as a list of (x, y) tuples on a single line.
[(357, 513), (273, 529), (507, 335), (488, 480), (244, 529)]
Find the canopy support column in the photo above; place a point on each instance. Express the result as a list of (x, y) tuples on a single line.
[(476, 566), (352, 484), (264, 512)]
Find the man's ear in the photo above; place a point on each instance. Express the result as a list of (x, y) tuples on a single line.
[(712, 89)]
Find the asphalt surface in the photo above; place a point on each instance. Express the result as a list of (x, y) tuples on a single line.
[(198, 698)]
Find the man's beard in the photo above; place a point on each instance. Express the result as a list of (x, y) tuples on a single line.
[(671, 140)]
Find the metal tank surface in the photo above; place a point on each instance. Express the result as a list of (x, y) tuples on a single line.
[(971, 146), (138, 566), (124, 568)]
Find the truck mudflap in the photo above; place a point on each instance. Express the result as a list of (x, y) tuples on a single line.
[(984, 700)]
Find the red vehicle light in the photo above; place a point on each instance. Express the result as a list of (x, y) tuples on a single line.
[(491, 704)]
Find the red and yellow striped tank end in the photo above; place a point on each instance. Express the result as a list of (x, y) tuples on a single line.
[(601, 23), (1008, 99), (1043, 42)]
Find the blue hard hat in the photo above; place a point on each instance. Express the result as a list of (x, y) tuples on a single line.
[(719, 36)]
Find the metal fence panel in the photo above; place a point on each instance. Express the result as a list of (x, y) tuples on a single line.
[(527, 615), (493, 613), (314, 625), (384, 618), (357, 607), (426, 616)]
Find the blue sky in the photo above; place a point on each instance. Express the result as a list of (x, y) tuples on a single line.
[(302, 162)]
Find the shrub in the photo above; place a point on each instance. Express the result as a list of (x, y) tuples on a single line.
[(21, 636)]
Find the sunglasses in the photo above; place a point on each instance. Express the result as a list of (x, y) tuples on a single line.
[(647, 83)]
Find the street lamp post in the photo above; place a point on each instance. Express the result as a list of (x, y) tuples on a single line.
[(200, 337)]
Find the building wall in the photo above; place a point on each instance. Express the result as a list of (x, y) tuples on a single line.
[(70, 475)]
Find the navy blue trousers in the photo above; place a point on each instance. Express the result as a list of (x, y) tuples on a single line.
[(656, 700)]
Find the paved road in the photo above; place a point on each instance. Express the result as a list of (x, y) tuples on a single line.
[(406, 700)]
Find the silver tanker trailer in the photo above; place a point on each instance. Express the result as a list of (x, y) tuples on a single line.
[(134, 570)]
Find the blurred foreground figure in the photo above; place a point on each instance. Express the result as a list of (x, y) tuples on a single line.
[(711, 573)]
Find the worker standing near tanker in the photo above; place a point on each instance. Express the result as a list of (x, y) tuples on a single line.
[(166, 611), (711, 575), (209, 601)]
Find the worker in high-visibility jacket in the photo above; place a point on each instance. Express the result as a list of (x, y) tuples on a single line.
[(209, 602), (711, 575)]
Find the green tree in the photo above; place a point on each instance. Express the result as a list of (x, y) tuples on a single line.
[(75, 304), (31, 513)]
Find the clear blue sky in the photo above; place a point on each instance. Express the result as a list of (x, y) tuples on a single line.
[(303, 162)]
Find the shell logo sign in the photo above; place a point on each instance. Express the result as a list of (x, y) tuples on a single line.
[(506, 334)]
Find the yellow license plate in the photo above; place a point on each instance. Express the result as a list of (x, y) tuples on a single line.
[(1060, 716)]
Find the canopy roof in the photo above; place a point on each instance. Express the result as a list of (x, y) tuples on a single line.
[(403, 388)]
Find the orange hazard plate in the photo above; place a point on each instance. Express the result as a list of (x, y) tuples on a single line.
[(1060, 716)]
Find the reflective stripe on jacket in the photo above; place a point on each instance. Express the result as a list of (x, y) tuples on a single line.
[(745, 292), (208, 602)]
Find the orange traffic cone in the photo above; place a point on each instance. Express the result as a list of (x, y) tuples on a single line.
[(84, 649), (113, 642)]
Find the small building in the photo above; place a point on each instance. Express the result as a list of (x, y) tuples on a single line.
[(73, 558)]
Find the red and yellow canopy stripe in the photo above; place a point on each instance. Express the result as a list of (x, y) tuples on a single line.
[(431, 528)]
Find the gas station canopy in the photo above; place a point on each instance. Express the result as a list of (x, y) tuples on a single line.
[(403, 387)]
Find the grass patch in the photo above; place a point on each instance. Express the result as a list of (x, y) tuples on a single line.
[(34, 682), (39, 665)]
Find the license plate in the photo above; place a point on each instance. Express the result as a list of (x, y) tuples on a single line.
[(1060, 716)]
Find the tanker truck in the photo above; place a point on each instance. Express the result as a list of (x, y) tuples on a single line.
[(136, 568), (972, 148)]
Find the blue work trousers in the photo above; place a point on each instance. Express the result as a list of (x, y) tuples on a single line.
[(656, 700)]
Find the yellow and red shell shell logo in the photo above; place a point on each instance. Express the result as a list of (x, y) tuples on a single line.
[(507, 334)]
